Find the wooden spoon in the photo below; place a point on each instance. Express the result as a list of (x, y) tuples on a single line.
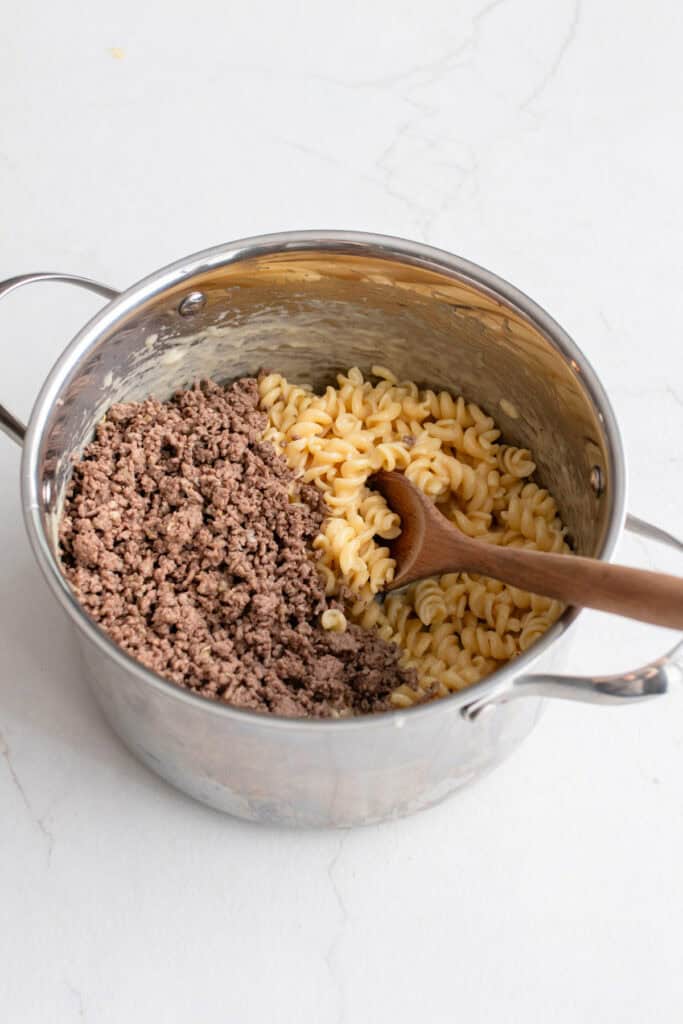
[(430, 545)]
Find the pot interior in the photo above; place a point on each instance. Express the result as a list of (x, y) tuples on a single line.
[(309, 312)]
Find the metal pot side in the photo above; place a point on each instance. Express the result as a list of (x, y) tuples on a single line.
[(309, 304)]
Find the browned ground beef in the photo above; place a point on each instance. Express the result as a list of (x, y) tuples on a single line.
[(179, 538)]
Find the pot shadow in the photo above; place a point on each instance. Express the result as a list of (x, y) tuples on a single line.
[(46, 707)]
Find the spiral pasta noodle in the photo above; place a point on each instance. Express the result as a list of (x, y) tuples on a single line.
[(454, 629)]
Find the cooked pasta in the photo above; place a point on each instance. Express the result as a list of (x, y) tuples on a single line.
[(455, 629), (334, 620)]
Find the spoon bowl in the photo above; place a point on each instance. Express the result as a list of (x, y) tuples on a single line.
[(429, 545)]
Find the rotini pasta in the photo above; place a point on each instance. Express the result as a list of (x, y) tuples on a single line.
[(334, 620), (456, 629)]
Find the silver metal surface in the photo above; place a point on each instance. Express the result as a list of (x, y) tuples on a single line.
[(644, 529), (652, 680), (11, 426), (9, 423), (597, 482), (192, 303), (309, 304)]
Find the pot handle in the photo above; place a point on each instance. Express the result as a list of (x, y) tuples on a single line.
[(13, 427), (627, 688)]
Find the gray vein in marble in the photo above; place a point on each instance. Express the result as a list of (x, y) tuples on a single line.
[(384, 183), (337, 935), (674, 394), (645, 774), (645, 551), (419, 78), (466, 175), (319, 154), (433, 70), (551, 72), (405, 84), (605, 321), (78, 996), (6, 754), (327, 158), (386, 165)]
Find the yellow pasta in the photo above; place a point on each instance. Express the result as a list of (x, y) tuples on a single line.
[(456, 629), (334, 620)]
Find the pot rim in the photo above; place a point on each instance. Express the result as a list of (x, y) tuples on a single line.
[(339, 242)]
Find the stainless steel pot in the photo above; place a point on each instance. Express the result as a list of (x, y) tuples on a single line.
[(307, 304)]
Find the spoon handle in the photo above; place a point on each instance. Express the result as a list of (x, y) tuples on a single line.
[(636, 593)]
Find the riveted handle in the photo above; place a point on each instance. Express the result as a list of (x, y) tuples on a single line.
[(9, 423)]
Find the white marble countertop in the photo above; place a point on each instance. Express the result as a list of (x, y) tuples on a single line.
[(541, 140)]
